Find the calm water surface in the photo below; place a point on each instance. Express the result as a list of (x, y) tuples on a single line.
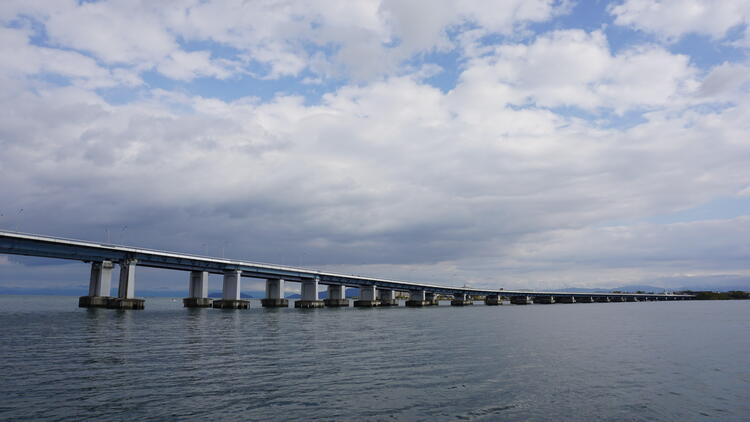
[(655, 361)]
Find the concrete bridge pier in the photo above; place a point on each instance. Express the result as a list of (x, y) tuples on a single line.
[(100, 285), (565, 299), (545, 300), (198, 291), (431, 299), (367, 297), (417, 299), (274, 294), (461, 299), (387, 297), (336, 296), (309, 295), (617, 299), (584, 299), (230, 294), (520, 300), (601, 299), (126, 291), (493, 300), (632, 299)]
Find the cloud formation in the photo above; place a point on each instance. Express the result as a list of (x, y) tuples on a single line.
[(673, 19), (545, 162)]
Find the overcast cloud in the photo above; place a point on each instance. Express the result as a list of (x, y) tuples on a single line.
[(515, 144)]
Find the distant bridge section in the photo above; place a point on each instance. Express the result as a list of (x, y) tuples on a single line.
[(373, 291)]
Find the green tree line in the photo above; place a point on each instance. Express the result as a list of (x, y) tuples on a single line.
[(706, 295)]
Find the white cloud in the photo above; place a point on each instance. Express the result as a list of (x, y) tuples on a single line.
[(391, 173), (363, 39), (186, 66), (575, 68), (726, 82), (115, 31), (487, 180), (30, 60), (672, 19)]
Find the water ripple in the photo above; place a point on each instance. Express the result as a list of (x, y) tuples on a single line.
[(593, 362)]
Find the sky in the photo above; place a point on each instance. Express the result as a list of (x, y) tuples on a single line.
[(516, 144)]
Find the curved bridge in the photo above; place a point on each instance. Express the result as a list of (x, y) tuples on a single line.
[(373, 291)]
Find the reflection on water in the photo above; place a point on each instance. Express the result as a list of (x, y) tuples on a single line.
[(629, 361)]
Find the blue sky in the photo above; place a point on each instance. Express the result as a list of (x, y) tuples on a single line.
[(512, 144)]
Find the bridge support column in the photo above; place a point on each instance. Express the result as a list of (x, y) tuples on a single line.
[(520, 300), (100, 286), (461, 299), (417, 299), (493, 300), (632, 299), (275, 294), (584, 299), (230, 292), (336, 296), (367, 297), (565, 299), (126, 291), (601, 299), (198, 291), (431, 299), (617, 299), (387, 297), (544, 299), (309, 295)]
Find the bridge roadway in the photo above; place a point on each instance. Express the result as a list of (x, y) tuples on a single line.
[(373, 291)]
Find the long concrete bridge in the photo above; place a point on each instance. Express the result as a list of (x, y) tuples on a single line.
[(373, 291)]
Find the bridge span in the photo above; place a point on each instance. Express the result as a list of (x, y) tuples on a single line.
[(104, 257)]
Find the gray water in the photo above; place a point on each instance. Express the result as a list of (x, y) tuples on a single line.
[(663, 361)]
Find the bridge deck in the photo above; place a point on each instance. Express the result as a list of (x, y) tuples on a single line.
[(53, 247)]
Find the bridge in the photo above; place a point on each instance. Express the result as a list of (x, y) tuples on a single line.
[(373, 291)]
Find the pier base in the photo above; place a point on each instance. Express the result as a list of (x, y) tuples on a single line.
[(388, 302), (93, 301), (418, 303), (275, 303), (364, 303), (461, 302), (520, 300), (336, 303), (546, 300), (493, 300), (231, 304), (305, 304), (197, 302), (125, 303)]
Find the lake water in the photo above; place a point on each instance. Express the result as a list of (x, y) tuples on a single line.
[(654, 361)]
